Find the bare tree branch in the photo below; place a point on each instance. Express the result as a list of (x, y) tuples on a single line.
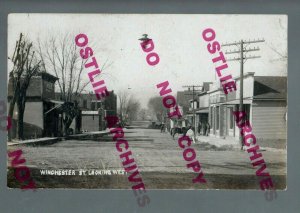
[(25, 66)]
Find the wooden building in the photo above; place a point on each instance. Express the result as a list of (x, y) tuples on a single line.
[(40, 98), (265, 102)]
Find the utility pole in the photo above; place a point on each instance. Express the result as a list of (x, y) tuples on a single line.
[(242, 59), (194, 112)]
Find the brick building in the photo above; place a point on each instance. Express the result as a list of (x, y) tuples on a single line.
[(93, 111)]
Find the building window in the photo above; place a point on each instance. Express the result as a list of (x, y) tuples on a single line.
[(98, 105), (218, 117), (247, 110), (93, 106), (231, 120), (84, 103), (210, 116)]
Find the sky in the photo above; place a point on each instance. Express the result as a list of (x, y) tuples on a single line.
[(184, 59)]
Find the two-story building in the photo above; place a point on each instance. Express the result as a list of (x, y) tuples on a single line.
[(202, 112), (182, 99), (93, 111), (40, 98)]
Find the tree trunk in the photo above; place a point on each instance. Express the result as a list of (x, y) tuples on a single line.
[(10, 114), (67, 123), (21, 109), (11, 108), (20, 133)]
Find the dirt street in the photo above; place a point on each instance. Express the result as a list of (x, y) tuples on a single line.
[(158, 157)]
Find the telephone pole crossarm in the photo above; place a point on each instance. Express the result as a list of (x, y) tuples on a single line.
[(238, 59), (242, 58), (244, 42), (245, 50), (193, 106)]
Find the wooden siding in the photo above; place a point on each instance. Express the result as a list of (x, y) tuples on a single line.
[(90, 123), (269, 122), (204, 100)]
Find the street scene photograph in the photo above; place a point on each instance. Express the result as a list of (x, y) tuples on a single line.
[(151, 101)]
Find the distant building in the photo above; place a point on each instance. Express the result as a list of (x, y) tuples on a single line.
[(202, 112), (265, 101), (200, 104), (182, 100), (93, 111)]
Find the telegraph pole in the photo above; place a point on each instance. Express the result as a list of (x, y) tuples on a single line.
[(241, 81), (242, 59), (194, 112)]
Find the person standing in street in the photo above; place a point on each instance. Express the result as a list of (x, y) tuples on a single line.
[(174, 131), (199, 128), (162, 128), (204, 129), (207, 129), (190, 133)]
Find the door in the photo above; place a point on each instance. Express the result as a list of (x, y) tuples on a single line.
[(230, 122)]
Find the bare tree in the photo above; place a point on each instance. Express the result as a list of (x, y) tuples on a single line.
[(283, 56), (132, 108), (142, 115), (60, 57), (157, 108), (129, 106), (123, 99), (25, 65)]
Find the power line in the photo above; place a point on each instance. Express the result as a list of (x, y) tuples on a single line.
[(244, 42), (194, 112), (242, 56)]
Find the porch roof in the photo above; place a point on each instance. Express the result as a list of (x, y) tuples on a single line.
[(245, 101), (203, 110)]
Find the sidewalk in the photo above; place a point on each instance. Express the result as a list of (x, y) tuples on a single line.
[(52, 140), (36, 141), (231, 143), (218, 142), (88, 134)]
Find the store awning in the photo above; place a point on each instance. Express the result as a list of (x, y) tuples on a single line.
[(55, 101), (189, 115), (237, 102), (89, 112), (58, 104), (205, 110)]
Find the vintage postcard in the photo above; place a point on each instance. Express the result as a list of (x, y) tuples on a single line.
[(147, 101)]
